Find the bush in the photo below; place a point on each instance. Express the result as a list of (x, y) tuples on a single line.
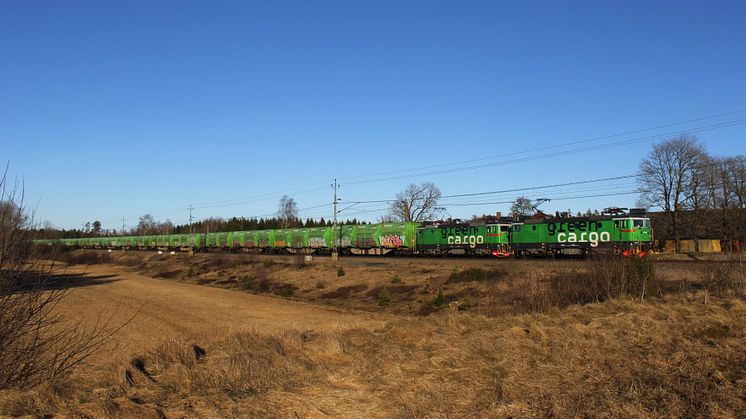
[(286, 291), (320, 284), (257, 281), (85, 258), (725, 280), (384, 297), (340, 271), (604, 280), (38, 344), (440, 299), (615, 277), (476, 275), (129, 261), (396, 280)]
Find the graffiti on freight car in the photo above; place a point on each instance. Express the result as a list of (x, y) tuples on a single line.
[(250, 243), (316, 242), (263, 242), (392, 241), (365, 242), (280, 243), (345, 242)]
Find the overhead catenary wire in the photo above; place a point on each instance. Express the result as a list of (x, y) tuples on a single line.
[(581, 182), (604, 137), (556, 154)]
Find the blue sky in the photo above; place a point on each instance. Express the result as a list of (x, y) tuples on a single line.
[(112, 110)]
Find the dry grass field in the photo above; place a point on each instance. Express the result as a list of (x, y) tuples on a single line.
[(242, 335)]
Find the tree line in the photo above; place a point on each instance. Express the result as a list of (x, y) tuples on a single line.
[(700, 195)]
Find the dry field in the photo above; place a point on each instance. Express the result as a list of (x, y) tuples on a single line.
[(242, 335)]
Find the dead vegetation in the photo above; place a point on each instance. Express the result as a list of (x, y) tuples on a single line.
[(606, 338), (621, 358), (37, 343), (405, 287)]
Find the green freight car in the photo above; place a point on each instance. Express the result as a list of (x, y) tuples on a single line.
[(378, 239), (581, 236), (464, 239)]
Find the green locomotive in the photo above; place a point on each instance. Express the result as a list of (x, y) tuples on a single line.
[(464, 239), (580, 236)]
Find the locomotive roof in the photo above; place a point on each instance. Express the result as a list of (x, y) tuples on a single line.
[(576, 219)]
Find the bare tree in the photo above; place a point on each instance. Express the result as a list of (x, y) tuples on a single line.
[(37, 343), (667, 176), (522, 206), (416, 203), (287, 211), (147, 225)]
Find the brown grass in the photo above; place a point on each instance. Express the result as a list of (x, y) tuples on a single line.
[(622, 358)]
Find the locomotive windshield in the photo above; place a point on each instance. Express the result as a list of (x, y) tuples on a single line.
[(641, 223)]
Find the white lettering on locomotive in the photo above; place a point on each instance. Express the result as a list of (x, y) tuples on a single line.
[(593, 237), (472, 241)]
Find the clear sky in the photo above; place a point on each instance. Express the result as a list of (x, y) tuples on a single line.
[(117, 109)]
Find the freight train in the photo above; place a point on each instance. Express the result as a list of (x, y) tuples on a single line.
[(614, 231)]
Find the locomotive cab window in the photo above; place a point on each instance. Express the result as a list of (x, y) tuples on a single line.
[(504, 228)]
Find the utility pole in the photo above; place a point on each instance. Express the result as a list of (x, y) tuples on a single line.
[(192, 240), (336, 243), (123, 226), (190, 219)]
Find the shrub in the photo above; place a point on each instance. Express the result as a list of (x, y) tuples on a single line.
[(604, 280), (440, 299), (286, 291), (476, 275), (384, 297), (320, 284), (340, 271), (85, 258), (129, 261), (396, 280), (612, 278), (725, 280), (38, 344), (257, 280)]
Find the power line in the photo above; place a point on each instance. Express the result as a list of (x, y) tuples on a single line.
[(555, 154), (556, 185), (606, 137), (561, 198)]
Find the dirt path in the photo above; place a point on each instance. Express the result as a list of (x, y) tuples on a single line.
[(169, 309)]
